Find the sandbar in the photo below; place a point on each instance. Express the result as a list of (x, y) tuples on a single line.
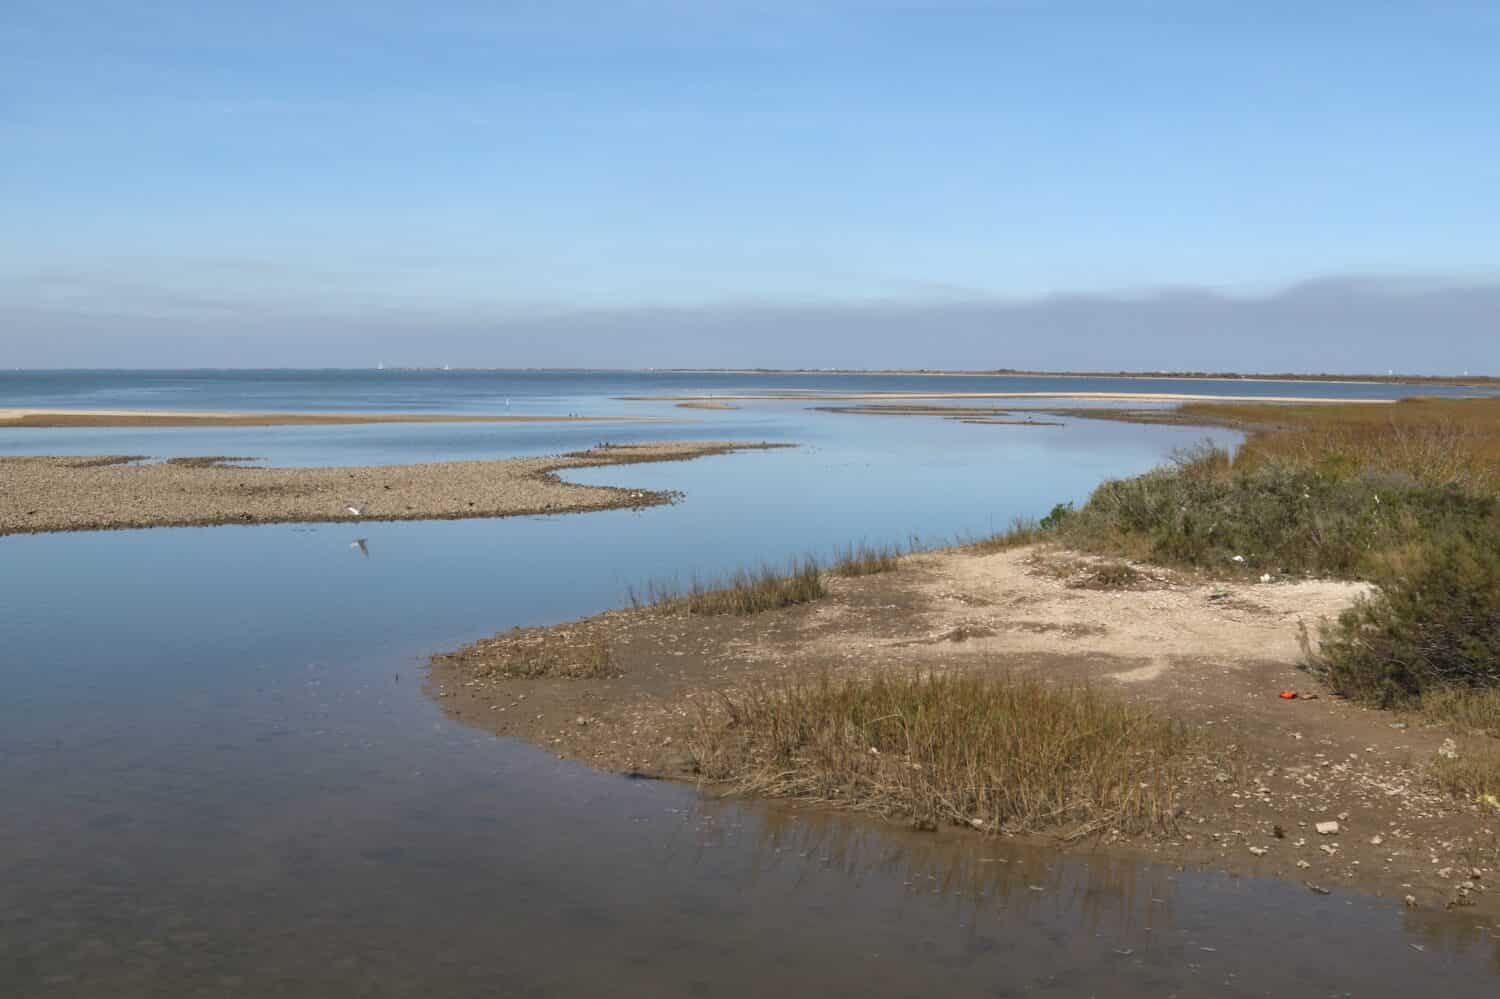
[(187, 418), (103, 492)]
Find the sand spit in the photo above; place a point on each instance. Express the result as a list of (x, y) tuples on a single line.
[(1213, 653), (794, 396), (179, 418), (103, 492)]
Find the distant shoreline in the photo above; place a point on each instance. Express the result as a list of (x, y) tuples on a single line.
[(797, 396), (1478, 381), (1333, 379)]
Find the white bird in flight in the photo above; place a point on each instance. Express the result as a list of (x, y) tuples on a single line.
[(356, 511), (360, 544)]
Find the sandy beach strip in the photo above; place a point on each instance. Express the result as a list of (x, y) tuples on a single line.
[(103, 492), (793, 396), (181, 418)]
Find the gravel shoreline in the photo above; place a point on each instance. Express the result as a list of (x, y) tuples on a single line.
[(105, 492)]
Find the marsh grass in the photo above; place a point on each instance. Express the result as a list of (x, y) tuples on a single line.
[(1002, 755), (747, 591), (865, 560), (753, 591), (1432, 441)]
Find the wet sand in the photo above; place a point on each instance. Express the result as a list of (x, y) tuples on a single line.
[(1214, 654), (103, 492), (183, 418)]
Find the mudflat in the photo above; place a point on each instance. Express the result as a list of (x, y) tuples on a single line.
[(186, 418), (1214, 654), (118, 491)]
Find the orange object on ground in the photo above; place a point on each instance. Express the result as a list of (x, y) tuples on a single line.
[(1288, 695)]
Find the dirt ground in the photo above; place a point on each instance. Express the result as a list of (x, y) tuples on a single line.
[(1215, 654), (102, 492)]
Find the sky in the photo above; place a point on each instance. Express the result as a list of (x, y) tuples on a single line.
[(824, 183)]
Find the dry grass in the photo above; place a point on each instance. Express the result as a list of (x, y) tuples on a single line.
[(1465, 709), (865, 560), (1022, 531), (1427, 441), (1002, 755), (744, 592), (1473, 775)]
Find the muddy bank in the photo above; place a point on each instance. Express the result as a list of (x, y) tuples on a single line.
[(169, 418), (1214, 654), (113, 491)]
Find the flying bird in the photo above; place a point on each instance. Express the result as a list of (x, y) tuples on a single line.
[(357, 511), (360, 544)]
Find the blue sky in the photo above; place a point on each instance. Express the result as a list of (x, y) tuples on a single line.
[(657, 183)]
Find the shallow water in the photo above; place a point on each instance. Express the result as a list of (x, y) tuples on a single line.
[(220, 771)]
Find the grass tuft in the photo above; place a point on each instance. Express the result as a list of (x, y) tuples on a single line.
[(865, 560), (1022, 531), (744, 592), (1473, 775), (1002, 755)]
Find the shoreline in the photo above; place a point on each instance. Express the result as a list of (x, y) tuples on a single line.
[(794, 396), (24, 417), (45, 494), (1172, 644), (1462, 381)]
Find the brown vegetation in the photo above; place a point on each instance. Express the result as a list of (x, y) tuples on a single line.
[(992, 753)]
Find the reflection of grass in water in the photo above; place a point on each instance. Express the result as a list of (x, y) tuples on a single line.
[(1110, 891), (997, 754)]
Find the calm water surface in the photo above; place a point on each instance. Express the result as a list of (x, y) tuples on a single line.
[(220, 772)]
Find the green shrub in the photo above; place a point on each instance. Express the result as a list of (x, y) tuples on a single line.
[(1433, 624), (1203, 511)]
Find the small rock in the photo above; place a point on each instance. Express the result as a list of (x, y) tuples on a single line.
[(1376, 840), (1303, 864), (1259, 851), (1411, 901), (977, 823), (1327, 828), (1448, 750)]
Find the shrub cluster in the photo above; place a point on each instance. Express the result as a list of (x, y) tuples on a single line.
[(1204, 511), (1432, 625)]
